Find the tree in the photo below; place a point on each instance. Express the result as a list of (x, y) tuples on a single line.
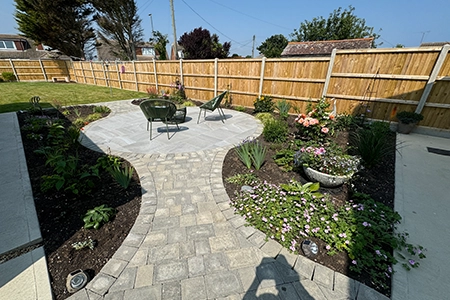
[(273, 46), (199, 44), (160, 41), (65, 25), (340, 25), (119, 26)]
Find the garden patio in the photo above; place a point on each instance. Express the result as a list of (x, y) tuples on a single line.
[(187, 242)]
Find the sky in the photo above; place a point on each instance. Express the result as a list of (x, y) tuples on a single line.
[(397, 21)]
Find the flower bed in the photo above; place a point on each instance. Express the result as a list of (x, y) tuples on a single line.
[(355, 234)]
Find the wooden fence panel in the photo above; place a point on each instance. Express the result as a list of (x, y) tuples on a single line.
[(370, 82), (198, 78), (373, 82)]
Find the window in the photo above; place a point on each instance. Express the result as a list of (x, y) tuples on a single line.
[(7, 45), (148, 51)]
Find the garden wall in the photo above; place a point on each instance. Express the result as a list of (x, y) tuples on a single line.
[(371, 81)]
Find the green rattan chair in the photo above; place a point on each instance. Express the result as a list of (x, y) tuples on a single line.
[(159, 110), (212, 105)]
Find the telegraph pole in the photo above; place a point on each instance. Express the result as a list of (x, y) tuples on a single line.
[(174, 30), (253, 48), (151, 21)]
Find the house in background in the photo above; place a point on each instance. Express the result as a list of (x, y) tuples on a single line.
[(18, 47), (324, 48), (13, 46), (144, 51)]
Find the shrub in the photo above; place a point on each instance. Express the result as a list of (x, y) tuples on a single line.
[(239, 108), (371, 143), (95, 217), (101, 109), (275, 131), (283, 108), (263, 104), (264, 117), (407, 117), (317, 123), (9, 76)]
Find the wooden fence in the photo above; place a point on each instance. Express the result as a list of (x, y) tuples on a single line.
[(370, 82)]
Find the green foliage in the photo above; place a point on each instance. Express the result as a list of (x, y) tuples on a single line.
[(119, 26), (243, 179), (200, 44), (240, 108), (188, 103), (59, 24), (283, 108), (9, 76), (285, 159), (363, 228), (340, 25), (273, 46), (263, 104), (178, 93), (275, 131), (122, 174), (101, 109), (160, 41), (97, 216), (12, 99), (93, 117), (251, 152), (408, 117), (371, 143), (89, 243), (264, 117), (346, 122), (35, 123)]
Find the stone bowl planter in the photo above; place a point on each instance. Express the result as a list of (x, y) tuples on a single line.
[(325, 180)]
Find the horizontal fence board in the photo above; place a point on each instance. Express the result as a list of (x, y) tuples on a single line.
[(367, 81)]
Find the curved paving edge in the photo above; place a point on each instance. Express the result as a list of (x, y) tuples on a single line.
[(187, 243)]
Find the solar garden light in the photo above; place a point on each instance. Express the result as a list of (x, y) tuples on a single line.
[(309, 248), (76, 281)]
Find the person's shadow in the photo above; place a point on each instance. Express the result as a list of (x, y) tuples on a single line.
[(276, 276)]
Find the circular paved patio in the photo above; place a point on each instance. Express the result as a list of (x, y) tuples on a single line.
[(125, 130)]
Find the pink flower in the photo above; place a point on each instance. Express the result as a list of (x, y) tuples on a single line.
[(324, 130), (306, 123)]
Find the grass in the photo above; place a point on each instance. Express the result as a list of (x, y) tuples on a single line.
[(16, 95)]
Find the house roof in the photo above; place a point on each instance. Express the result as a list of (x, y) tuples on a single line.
[(12, 37), (434, 44), (322, 48)]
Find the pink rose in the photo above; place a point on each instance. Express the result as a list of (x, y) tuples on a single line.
[(324, 130)]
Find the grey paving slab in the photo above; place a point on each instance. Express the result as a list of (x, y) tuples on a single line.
[(25, 277), (126, 132), (18, 213), (422, 199)]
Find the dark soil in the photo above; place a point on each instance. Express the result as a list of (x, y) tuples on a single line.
[(60, 213), (379, 182)]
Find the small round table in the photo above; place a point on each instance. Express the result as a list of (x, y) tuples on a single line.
[(180, 114)]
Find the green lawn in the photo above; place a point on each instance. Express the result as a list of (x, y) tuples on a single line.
[(16, 96)]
